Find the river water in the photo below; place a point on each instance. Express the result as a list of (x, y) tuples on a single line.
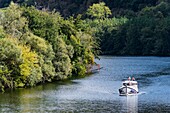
[(98, 93)]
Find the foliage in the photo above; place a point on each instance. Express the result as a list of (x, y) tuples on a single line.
[(4, 3), (47, 25), (29, 69), (43, 24), (65, 38), (73, 7), (37, 46), (45, 54), (19, 64), (104, 31), (12, 21), (9, 61), (5, 79), (62, 60), (2, 34), (99, 11), (146, 34)]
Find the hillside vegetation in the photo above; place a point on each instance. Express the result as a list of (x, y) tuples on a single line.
[(43, 40), (38, 46)]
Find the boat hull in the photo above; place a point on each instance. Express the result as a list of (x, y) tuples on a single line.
[(123, 91)]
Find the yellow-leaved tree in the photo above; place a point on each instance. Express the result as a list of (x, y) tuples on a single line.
[(29, 69)]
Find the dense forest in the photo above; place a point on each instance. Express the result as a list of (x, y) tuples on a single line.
[(132, 27), (46, 40), (74, 7)]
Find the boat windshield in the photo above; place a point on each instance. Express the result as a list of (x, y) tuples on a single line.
[(129, 84)]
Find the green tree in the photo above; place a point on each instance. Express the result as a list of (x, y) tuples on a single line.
[(45, 54), (10, 60), (19, 65), (62, 62), (51, 27), (30, 70), (162, 43), (99, 11), (43, 24), (13, 22)]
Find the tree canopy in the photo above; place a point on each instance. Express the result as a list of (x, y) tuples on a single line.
[(99, 11), (38, 46)]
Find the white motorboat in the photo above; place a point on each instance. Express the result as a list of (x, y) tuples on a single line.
[(129, 87)]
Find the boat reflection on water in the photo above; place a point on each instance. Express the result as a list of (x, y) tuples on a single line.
[(132, 104)]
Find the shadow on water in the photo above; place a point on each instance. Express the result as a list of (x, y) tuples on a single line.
[(156, 74), (32, 99)]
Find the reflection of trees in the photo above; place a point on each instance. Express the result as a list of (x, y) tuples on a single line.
[(29, 98), (9, 101), (33, 99), (26, 100)]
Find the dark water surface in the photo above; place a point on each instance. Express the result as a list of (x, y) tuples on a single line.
[(99, 93)]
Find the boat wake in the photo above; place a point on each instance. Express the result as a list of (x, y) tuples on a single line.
[(141, 93)]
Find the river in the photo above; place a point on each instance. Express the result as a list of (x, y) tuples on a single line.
[(98, 93)]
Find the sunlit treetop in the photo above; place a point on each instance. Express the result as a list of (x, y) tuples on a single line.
[(99, 11)]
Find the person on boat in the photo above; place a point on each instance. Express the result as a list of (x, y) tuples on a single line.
[(129, 81), (129, 78), (133, 79)]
